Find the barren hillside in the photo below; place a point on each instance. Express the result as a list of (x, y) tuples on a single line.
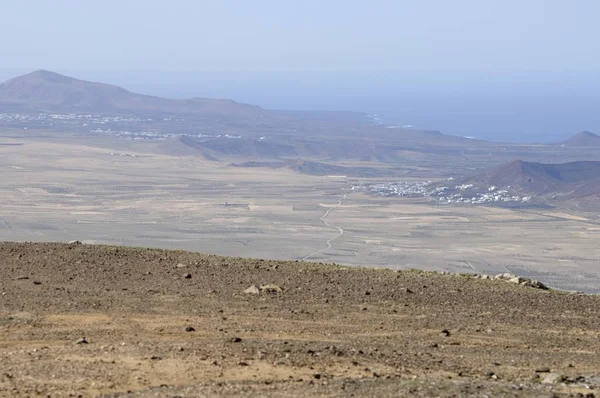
[(47, 90), (87, 320), (571, 180), (583, 139)]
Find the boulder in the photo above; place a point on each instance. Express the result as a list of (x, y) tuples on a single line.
[(271, 288), (252, 290), (553, 378)]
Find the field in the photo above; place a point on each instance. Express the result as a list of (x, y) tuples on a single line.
[(63, 189), (90, 320)]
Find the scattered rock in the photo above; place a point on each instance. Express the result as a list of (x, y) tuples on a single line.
[(505, 276), (19, 278), (553, 378), (586, 395), (37, 282), (189, 329), (181, 265), (445, 332), (534, 284), (268, 289), (236, 340), (82, 340), (517, 280), (155, 358), (271, 289), (542, 370), (252, 290), (187, 276)]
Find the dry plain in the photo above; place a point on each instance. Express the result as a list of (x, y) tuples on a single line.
[(67, 189), (101, 318)]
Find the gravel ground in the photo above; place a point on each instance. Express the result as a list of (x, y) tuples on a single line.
[(85, 320)]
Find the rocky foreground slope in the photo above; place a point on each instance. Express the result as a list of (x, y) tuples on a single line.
[(96, 320)]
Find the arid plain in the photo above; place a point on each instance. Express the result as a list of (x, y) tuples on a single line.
[(282, 193), (94, 191)]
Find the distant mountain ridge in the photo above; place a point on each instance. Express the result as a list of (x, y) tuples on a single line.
[(583, 139), (570, 180), (51, 91)]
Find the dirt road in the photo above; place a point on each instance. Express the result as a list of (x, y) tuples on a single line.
[(339, 229)]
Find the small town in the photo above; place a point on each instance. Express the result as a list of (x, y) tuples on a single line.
[(99, 124), (69, 118), (157, 135), (459, 194)]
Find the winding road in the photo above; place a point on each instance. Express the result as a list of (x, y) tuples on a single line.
[(340, 230)]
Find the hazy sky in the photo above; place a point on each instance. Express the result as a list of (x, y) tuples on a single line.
[(357, 54), (336, 35)]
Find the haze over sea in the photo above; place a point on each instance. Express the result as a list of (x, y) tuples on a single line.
[(526, 107), (513, 106), (507, 70)]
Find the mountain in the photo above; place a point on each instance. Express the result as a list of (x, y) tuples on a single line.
[(583, 139), (48, 92), (569, 180), (44, 90)]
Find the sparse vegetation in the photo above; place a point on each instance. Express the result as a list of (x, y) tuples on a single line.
[(128, 319)]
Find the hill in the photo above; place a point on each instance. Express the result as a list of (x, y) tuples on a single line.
[(583, 139), (571, 180), (47, 90), (184, 146), (320, 168), (142, 322)]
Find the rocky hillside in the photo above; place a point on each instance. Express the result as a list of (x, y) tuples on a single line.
[(572, 180), (82, 320)]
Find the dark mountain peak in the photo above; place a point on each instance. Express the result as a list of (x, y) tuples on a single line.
[(39, 78), (48, 76), (49, 91), (583, 139), (515, 165), (569, 172), (581, 178), (586, 133)]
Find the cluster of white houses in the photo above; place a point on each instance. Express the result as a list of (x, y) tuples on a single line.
[(157, 135), (98, 124), (69, 118), (464, 194)]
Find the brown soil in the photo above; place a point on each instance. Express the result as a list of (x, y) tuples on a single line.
[(333, 331)]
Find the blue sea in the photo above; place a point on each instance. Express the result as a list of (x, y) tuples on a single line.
[(509, 106)]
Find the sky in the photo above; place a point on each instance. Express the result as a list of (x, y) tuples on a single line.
[(386, 56)]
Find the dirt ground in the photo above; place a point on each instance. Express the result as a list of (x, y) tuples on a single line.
[(84, 320)]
